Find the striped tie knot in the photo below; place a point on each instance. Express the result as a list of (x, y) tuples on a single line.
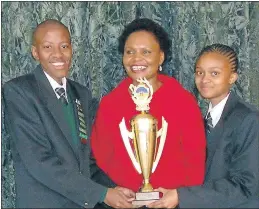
[(61, 92)]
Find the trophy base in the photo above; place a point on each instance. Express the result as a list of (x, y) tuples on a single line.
[(145, 198)]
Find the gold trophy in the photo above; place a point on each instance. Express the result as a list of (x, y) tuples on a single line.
[(144, 133)]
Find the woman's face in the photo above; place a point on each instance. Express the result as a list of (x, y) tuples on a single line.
[(214, 76), (142, 56)]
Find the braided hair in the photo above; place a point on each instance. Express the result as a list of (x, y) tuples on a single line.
[(223, 50)]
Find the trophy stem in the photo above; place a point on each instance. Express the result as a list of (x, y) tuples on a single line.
[(147, 187)]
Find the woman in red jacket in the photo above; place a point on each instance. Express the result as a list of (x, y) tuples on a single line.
[(145, 45)]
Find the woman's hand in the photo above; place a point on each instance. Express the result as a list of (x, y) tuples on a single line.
[(169, 199)]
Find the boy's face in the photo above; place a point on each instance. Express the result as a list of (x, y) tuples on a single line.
[(52, 48), (214, 76)]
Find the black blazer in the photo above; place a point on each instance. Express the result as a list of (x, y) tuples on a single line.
[(232, 167), (48, 171)]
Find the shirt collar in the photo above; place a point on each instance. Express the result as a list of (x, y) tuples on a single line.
[(54, 84), (217, 110)]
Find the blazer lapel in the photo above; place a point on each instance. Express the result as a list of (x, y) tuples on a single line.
[(54, 106), (216, 134)]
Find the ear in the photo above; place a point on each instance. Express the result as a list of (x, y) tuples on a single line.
[(34, 52), (162, 57), (233, 78)]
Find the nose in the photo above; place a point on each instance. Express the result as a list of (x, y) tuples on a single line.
[(137, 56), (205, 78), (57, 52)]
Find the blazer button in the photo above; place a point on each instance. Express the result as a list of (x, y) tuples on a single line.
[(86, 204)]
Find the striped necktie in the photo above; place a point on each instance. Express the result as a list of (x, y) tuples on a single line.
[(208, 124), (61, 92)]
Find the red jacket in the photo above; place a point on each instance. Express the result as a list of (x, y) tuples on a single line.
[(183, 159)]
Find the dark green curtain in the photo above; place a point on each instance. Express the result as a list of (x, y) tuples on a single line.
[(95, 27)]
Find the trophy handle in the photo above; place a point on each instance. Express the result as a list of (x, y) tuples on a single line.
[(162, 133), (125, 136)]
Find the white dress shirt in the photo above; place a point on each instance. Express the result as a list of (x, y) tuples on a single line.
[(54, 84), (217, 110)]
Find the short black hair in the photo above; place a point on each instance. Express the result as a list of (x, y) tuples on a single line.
[(46, 23), (224, 50), (145, 24)]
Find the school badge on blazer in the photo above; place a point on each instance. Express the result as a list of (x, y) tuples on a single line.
[(82, 126)]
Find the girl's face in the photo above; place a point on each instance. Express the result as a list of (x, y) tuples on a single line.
[(214, 76), (142, 56)]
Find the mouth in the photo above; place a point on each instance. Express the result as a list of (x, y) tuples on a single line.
[(58, 65), (204, 88), (138, 68)]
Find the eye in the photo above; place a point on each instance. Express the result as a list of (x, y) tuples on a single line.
[(64, 46), (146, 52), (47, 47), (198, 73), (129, 51), (214, 73)]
